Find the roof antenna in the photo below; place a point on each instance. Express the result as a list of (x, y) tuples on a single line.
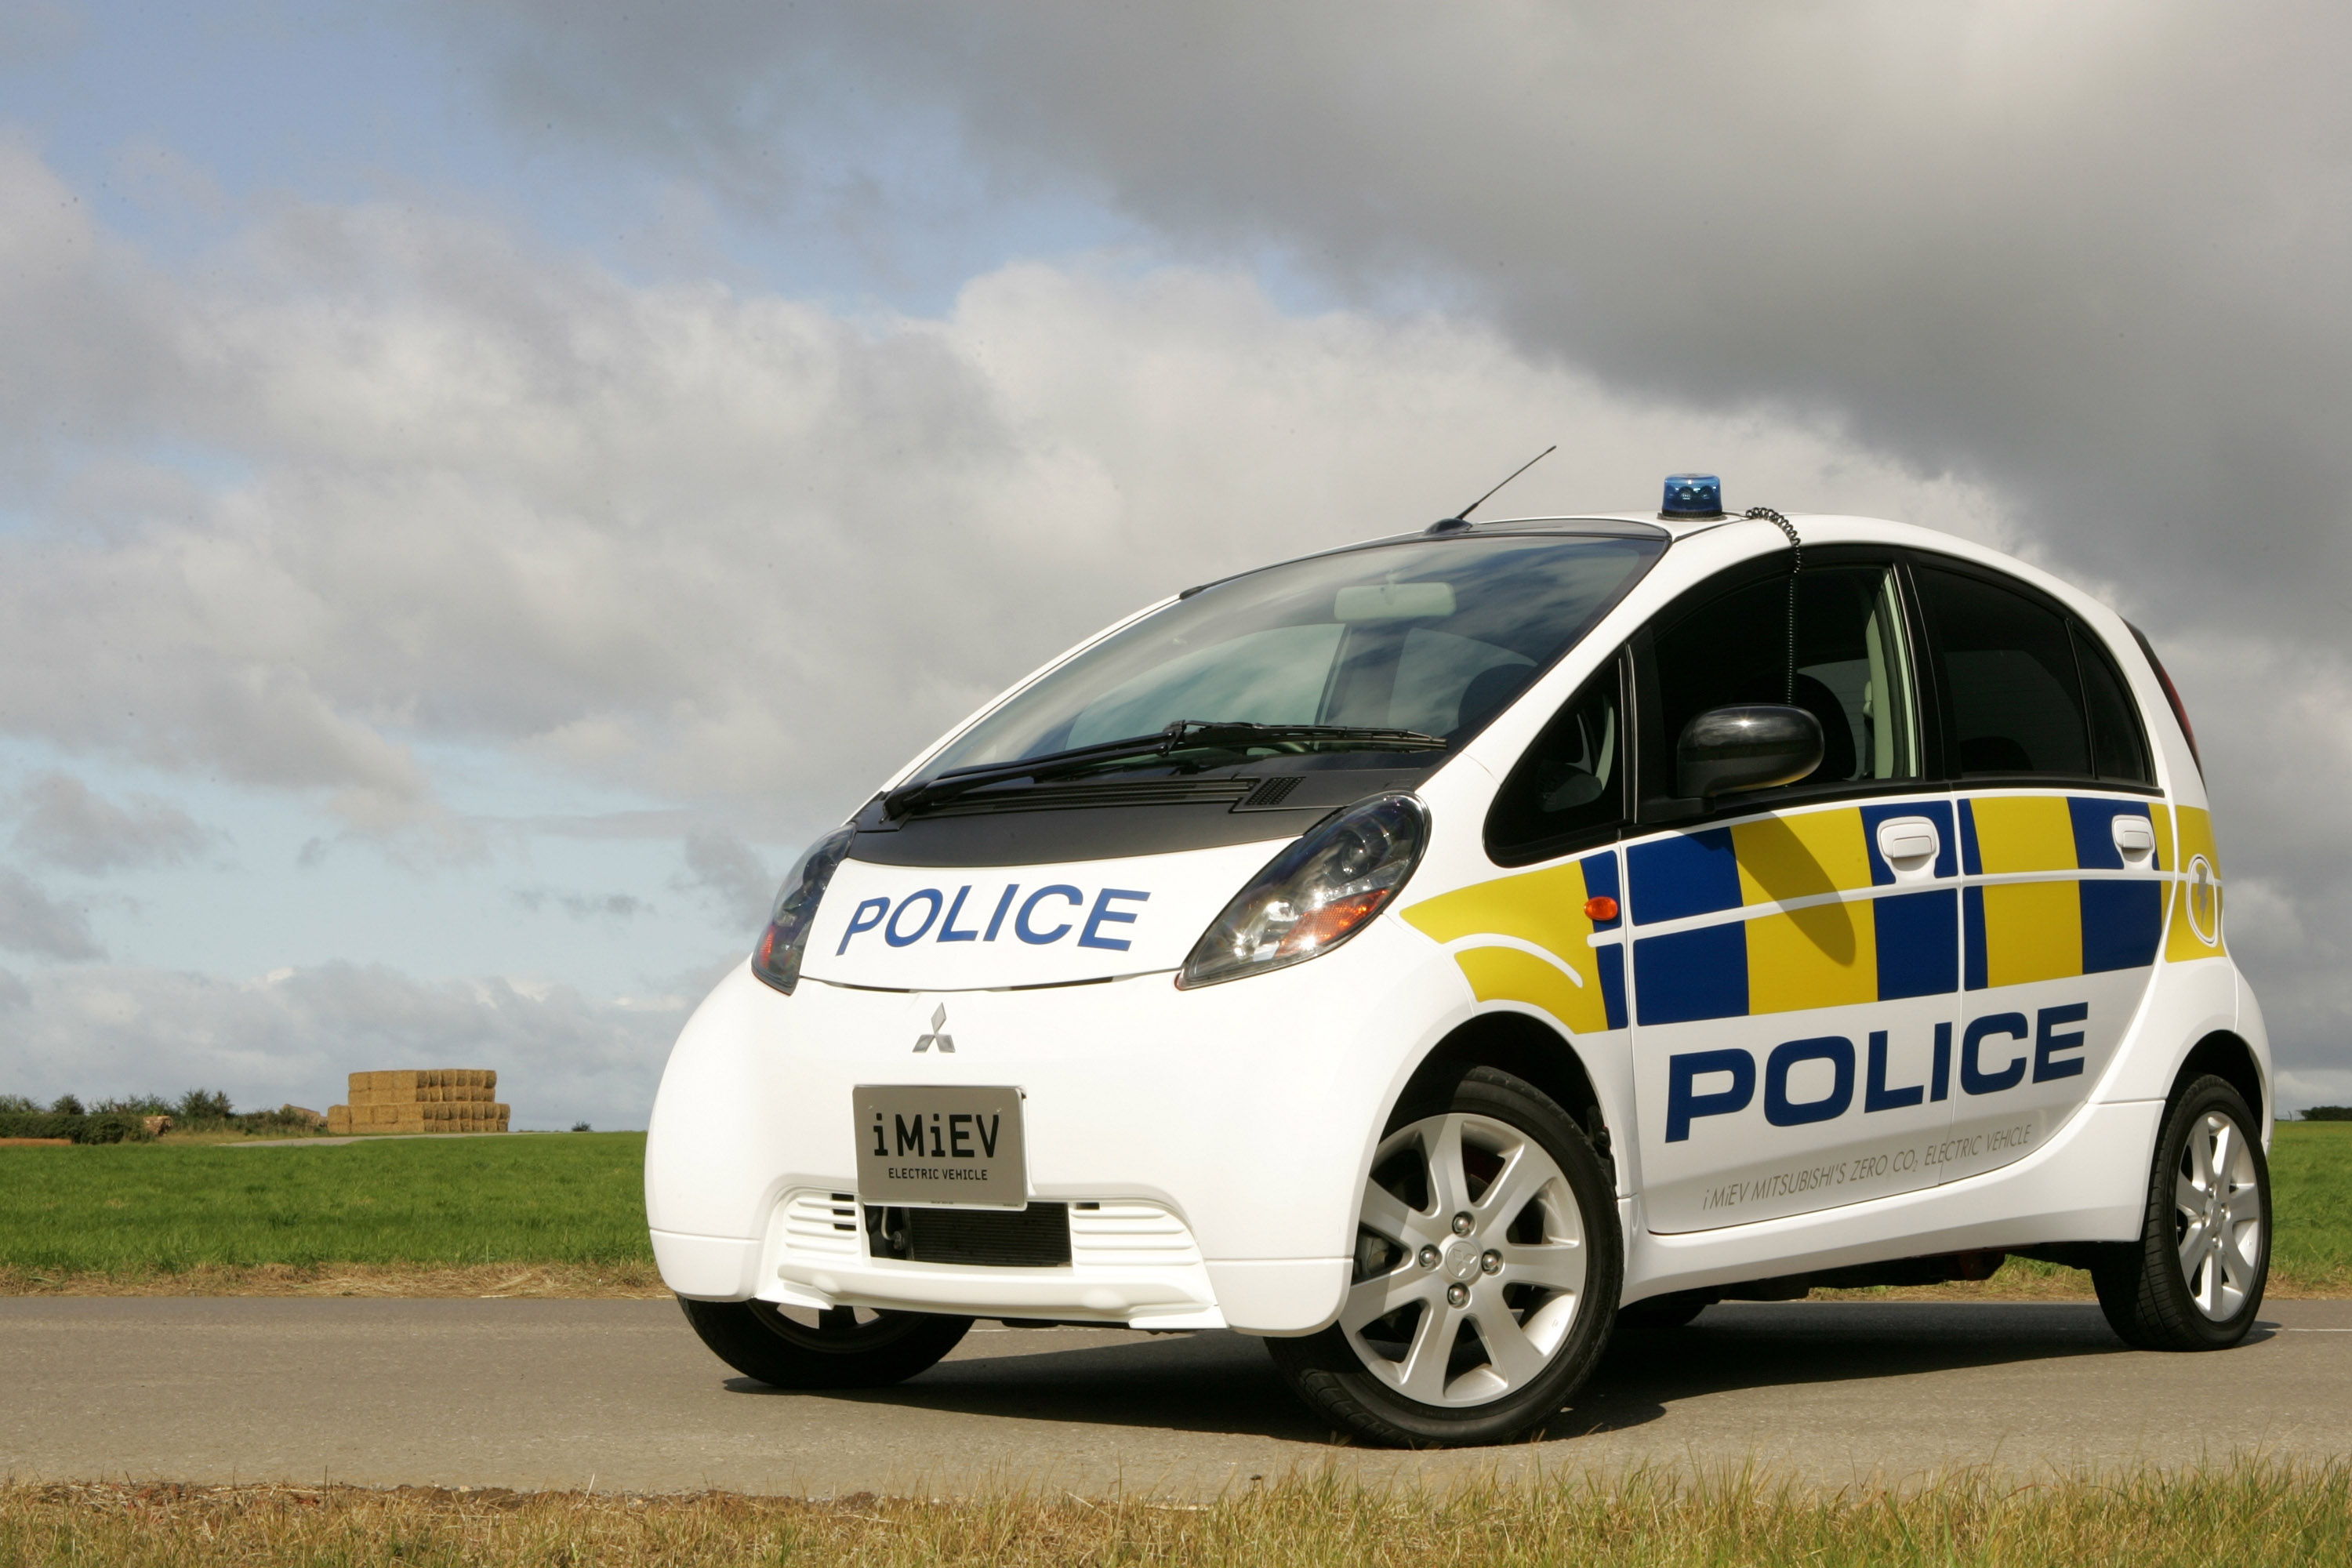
[(1461, 520)]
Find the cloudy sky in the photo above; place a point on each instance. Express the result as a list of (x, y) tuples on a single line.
[(482, 483)]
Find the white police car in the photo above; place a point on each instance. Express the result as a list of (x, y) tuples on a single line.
[(1432, 953)]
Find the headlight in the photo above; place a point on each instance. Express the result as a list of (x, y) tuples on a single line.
[(777, 959), (1316, 894)]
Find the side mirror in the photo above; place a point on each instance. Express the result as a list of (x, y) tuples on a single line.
[(1753, 746)]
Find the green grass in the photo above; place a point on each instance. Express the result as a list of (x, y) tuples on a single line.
[(2311, 1189), (571, 1199), (576, 1198)]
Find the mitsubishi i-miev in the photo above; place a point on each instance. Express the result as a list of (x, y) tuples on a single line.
[(1432, 955)]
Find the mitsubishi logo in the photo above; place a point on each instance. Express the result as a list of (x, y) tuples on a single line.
[(938, 1035)]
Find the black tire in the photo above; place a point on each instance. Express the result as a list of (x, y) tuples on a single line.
[(2145, 1287), (839, 1351), (1335, 1377)]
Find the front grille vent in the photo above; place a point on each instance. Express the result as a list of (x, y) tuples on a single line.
[(1036, 1237), (821, 1223), (1094, 797), (1123, 1234)]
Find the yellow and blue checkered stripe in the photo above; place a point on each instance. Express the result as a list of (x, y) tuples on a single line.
[(1848, 943), (1847, 947), (2056, 927)]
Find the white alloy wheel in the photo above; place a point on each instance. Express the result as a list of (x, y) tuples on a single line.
[(1470, 1262), (2219, 1218)]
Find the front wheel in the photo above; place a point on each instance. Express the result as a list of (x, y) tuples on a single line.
[(841, 1347), (2194, 1279), (1487, 1271)]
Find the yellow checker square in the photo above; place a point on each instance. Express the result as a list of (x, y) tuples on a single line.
[(2194, 927), (2024, 832), (1546, 908), (1825, 957), (1801, 857), (2033, 931), (2160, 819), (1508, 974)]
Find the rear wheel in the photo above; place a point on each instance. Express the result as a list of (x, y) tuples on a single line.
[(2194, 1279), (841, 1347), (1487, 1269)]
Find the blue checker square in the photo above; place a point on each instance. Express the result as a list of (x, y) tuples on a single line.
[(1611, 962), (1918, 944), (2122, 921), (2094, 831), (1939, 812), (1692, 975), (1687, 874), (1601, 881), (1972, 920)]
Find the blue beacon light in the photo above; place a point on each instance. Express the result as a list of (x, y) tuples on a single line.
[(1692, 495)]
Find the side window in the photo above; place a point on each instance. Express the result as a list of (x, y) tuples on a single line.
[(1570, 784), (2118, 748), (1852, 667), (2007, 666)]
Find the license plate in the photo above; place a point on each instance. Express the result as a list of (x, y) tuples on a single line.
[(939, 1147)]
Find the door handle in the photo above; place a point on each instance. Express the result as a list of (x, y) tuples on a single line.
[(1909, 845), (2135, 838)]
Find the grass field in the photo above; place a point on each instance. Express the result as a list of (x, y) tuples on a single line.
[(2251, 1514), (563, 1214), (572, 1199)]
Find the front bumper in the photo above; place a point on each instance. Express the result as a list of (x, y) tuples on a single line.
[(1210, 1143)]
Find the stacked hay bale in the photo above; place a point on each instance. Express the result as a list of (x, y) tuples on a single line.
[(428, 1099)]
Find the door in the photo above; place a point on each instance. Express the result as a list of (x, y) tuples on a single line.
[(1796, 952), (2064, 844)]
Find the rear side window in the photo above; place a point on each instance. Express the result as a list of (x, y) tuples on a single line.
[(2118, 747), (2029, 688), (1569, 788)]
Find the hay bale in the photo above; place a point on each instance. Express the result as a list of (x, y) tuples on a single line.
[(339, 1119)]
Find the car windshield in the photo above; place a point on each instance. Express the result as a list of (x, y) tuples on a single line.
[(1436, 636)]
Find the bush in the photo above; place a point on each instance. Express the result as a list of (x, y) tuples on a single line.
[(68, 1105), (103, 1128), (2329, 1113), (203, 1107), (139, 1105), (13, 1104)]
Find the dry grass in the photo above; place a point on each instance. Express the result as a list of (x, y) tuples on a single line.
[(575, 1281), (2251, 1513)]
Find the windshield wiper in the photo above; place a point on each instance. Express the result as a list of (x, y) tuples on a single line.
[(1185, 734)]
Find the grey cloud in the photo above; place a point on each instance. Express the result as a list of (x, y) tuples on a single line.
[(31, 922), (559, 1056), (63, 823), (731, 874), (583, 906), (13, 993), (2085, 261)]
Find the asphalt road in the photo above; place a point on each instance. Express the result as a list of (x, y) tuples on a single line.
[(620, 1395)]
